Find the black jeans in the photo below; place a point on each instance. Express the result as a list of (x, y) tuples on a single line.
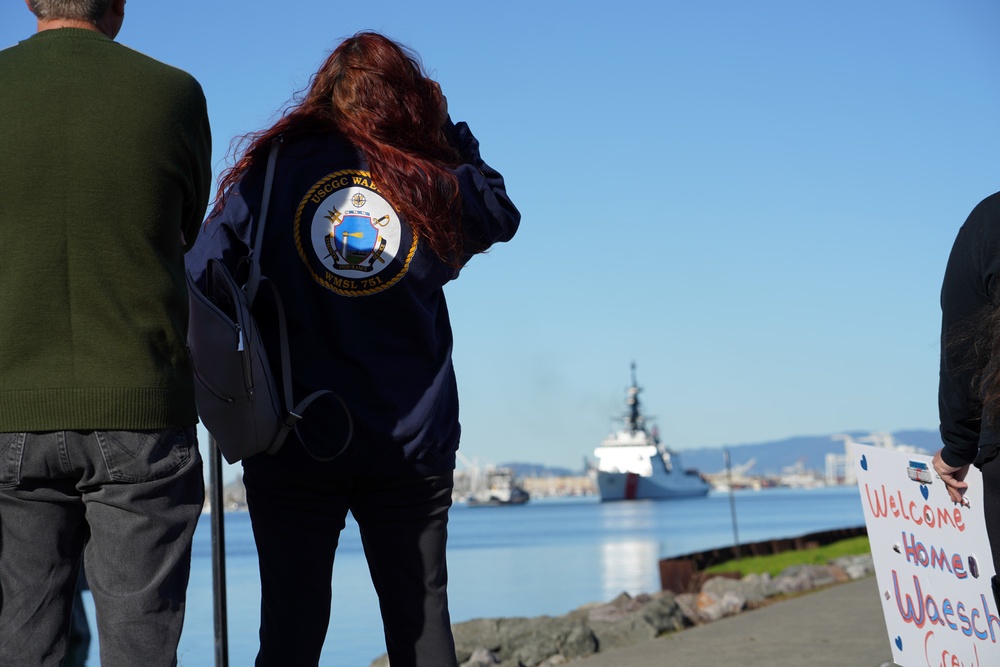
[(297, 512)]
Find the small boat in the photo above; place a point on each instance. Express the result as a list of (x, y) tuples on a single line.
[(634, 465), (497, 486)]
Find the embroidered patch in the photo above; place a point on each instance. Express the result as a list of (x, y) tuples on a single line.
[(350, 237)]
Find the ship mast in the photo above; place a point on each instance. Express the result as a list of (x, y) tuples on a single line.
[(633, 420)]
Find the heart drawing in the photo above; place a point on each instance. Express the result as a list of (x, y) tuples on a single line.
[(899, 643), (864, 462), (923, 491)]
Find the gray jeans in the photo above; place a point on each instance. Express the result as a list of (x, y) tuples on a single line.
[(128, 503)]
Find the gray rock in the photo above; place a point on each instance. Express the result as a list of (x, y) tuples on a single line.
[(688, 605), (663, 612), (732, 603), (856, 567), (709, 607), (749, 589), (792, 584), (606, 613), (579, 643), (624, 632), (481, 658), (479, 633), (799, 578), (526, 641)]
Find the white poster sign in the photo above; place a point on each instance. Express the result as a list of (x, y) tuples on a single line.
[(932, 561)]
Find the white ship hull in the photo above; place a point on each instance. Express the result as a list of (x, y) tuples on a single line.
[(632, 486)]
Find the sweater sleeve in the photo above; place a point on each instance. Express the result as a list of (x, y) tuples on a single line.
[(200, 151), (969, 281), (488, 215)]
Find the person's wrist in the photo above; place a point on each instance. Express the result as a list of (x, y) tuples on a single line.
[(952, 463)]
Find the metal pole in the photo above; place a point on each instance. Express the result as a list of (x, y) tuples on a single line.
[(218, 555), (732, 504)]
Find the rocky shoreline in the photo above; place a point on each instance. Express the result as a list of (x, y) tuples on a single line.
[(547, 641)]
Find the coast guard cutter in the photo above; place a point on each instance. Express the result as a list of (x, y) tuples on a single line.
[(634, 465)]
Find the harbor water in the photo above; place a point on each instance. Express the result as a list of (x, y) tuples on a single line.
[(543, 558)]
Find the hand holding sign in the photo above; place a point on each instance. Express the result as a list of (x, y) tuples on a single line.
[(953, 478)]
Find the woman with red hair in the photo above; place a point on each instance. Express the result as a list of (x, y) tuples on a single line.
[(378, 200)]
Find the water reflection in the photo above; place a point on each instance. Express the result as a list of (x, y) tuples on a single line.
[(631, 566), (629, 517)]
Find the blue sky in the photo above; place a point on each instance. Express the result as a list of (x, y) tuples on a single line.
[(752, 201)]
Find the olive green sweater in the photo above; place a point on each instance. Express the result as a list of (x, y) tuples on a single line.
[(104, 162)]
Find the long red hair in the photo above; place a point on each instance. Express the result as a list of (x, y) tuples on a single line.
[(376, 94)]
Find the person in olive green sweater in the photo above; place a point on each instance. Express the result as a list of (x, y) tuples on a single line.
[(105, 172)]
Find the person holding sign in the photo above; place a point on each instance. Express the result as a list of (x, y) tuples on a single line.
[(969, 389)]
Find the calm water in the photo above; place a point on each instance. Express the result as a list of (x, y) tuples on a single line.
[(546, 557)]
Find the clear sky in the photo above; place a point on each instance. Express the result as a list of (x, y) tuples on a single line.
[(754, 201)]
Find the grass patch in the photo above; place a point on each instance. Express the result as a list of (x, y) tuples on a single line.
[(775, 564)]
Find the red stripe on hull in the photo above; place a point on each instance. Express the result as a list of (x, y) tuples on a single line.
[(631, 485)]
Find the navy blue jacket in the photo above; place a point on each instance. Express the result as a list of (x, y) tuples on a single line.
[(363, 295)]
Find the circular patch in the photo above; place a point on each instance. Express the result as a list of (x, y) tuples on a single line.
[(351, 238)]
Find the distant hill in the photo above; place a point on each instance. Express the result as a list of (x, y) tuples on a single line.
[(536, 470), (770, 457)]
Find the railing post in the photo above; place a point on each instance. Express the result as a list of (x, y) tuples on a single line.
[(218, 512)]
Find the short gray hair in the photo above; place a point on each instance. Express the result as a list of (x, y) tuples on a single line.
[(82, 10)]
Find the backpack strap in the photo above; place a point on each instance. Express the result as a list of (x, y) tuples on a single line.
[(253, 281), (295, 413)]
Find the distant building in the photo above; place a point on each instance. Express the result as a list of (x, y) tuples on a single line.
[(840, 468), (559, 487)]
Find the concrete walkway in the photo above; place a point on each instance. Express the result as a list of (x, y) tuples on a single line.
[(839, 626)]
